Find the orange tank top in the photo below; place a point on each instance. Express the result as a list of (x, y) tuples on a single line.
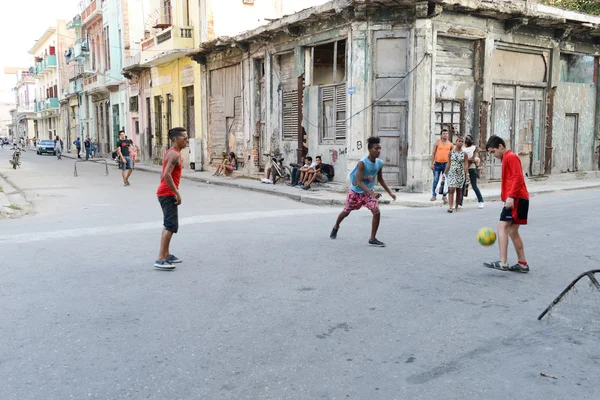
[(442, 152)]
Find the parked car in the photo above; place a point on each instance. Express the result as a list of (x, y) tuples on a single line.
[(46, 146)]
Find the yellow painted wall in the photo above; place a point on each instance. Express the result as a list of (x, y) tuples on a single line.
[(172, 78)]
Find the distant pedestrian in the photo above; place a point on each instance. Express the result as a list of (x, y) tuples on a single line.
[(456, 173), (362, 190), (58, 148), (515, 196), (471, 151), (77, 144), (125, 163), (88, 147), (133, 150), (439, 159), (169, 196)]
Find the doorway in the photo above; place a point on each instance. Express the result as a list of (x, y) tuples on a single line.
[(148, 128), (571, 133), (517, 115), (390, 96), (188, 112)]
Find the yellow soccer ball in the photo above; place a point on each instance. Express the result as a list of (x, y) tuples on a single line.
[(486, 236)]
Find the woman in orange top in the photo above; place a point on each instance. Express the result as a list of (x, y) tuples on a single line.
[(439, 159)]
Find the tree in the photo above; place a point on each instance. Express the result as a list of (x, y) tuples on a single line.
[(586, 6)]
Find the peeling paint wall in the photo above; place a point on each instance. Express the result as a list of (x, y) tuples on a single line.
[(574, 112), (455, 81)]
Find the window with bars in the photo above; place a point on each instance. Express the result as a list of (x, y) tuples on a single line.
[(290, 115), (333, 113), (133, 103), (449, 115)]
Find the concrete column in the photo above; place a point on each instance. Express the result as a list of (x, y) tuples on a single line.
[(420, 116), (553, 86)]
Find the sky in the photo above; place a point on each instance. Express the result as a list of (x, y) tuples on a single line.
[(22, 23)]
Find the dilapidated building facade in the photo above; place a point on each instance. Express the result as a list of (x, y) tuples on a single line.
[(325, 79)]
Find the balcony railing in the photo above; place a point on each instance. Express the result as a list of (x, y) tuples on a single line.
[(133, 60), (29, 108), (45, 65), (89, 12), (93, 82), (52, 103), (48, 104), (170, 39), (164, 19)]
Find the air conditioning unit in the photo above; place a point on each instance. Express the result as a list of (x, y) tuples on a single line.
[(196, 154)]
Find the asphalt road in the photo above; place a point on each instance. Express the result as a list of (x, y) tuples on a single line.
[(266, 306)]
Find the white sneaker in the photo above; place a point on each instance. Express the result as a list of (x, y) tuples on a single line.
[(481, 205), (459, 206), (265, 180)]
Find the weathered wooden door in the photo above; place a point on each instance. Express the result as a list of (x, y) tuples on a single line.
[(529, 140), (116, 129), (390, 126), (518, 114), (503, 117), (225, 86), (149, 141), (390, 96), (190, 119), (571, 131)]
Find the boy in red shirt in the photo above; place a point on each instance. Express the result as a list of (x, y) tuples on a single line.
[(515, 196)]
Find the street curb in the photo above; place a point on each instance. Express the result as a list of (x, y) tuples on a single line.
[(308, 199), (296, 197)]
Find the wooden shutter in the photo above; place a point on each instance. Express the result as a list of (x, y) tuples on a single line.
[(290, 115), (328, 121), (340, 112)]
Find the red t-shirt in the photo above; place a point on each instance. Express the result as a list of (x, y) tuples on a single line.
[(163, 189), (513, 180)]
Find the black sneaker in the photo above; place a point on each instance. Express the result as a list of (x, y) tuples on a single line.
[(164, 264), (173, 260), (496, 265), (376, 243), (333, 233), (519, 268)]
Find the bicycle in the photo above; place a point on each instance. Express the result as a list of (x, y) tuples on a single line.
[(278, 170), (16, 159)]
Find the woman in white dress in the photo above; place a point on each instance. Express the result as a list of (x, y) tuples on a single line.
[(471, 151), (456, 172)]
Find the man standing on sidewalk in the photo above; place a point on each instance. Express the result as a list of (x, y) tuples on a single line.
[(439, 159), (123, 152), (169, 197), (77, 144)]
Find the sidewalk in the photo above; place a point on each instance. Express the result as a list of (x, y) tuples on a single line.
[(335, 193)]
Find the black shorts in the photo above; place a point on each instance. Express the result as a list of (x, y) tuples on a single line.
[(169, 208), (516, 215)]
